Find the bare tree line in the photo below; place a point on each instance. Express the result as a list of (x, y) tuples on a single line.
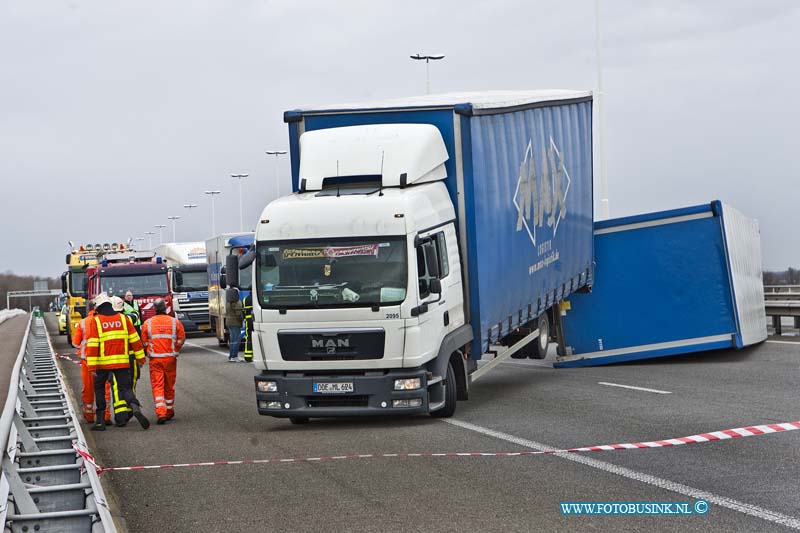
[(14, 282)]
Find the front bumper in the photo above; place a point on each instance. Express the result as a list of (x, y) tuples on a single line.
[(372, 394)]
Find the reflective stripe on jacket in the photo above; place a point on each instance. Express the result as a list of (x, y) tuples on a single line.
[(110, 340), (79, 337), (163, 336)]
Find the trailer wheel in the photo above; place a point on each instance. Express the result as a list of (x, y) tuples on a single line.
[(542, 342), (449, 395), (298, 420)]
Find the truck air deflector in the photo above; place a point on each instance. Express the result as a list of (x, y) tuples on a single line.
[(387, 150)]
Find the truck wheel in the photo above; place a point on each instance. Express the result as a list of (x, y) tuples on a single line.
[(298, 420), (449, 395), (542, 342)]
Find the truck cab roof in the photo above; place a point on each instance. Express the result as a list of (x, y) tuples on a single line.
[(321, 214)]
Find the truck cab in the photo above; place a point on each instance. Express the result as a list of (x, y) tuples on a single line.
[(360, 277), (142, 273), (188, 275)]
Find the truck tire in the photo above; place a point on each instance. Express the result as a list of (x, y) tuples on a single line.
[(449, 395), (297, 420), (542, 342)]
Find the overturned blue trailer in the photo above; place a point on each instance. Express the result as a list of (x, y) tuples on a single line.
[(668, 283)]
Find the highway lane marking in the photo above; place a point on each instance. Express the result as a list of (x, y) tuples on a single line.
[(656, 391), (672, 486), (212, 350), (796, 343)]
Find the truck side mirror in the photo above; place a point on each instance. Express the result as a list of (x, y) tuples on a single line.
[(231, 295), (232, 270), (64, 282), (178, 278), (223, 279), (68, 258), (435, 286)]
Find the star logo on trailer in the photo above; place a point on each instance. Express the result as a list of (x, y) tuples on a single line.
[(541, 196)]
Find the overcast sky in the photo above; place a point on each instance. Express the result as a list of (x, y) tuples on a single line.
[(113, 114)]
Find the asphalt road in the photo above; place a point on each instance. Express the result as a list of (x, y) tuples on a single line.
[(12, 331), (752, 484)]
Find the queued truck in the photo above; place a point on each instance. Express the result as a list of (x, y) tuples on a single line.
[(423, 235), (141, 272), (218, 249), (188, 274), (74, 283)]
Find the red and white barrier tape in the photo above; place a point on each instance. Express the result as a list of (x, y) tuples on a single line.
[(68, 358), (749, 431)]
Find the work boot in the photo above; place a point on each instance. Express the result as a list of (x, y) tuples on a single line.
[(100, 422), (122, 419), (143, 421)]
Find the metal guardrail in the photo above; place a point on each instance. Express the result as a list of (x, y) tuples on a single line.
[(770, 289), (44, 482)]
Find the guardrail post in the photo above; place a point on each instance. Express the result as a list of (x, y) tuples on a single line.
[(776, 323), (797, 322)]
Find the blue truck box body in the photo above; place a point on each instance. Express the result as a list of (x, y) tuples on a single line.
[(669, 283), (520, 177)]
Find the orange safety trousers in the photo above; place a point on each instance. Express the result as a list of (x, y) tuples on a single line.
[(163, 371), (87, 394)]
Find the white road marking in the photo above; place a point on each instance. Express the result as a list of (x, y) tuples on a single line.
[(796, 343), (529, 365), (633, 388), (212, 350), (679, 488)]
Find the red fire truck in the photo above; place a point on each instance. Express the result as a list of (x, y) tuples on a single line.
[(142, 273)]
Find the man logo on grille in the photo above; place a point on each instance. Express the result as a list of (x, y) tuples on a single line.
[(330, 345)]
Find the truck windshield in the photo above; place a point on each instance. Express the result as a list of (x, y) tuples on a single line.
[(358, 272), (141, 285), (189, 279), (77, 284)]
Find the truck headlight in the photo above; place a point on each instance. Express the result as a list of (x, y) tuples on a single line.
[(413, 402), (267, 386), (407, 384), (180, 315)]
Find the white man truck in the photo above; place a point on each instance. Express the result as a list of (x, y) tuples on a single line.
[(422, 235), (189, 281)]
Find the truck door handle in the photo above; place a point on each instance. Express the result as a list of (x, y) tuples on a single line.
[(447, 318)]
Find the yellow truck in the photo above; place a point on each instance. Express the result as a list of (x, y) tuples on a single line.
[(74, 282)]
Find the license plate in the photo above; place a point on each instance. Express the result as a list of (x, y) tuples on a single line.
[(333, 388), (204, 326)]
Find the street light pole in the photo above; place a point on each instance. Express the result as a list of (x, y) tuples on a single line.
[(160, 232), (604, 210), (212, 194), (276, 153), (241, 178), (428, 58), (150, 238), (173, 218)]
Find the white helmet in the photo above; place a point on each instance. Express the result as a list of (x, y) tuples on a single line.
[(101, 299), (117, 304)]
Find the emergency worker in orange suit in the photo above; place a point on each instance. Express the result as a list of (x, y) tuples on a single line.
[(163, 337), (87, 381), (111, 339)]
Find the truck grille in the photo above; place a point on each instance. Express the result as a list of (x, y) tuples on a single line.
[(337, 401), (331, 346)]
